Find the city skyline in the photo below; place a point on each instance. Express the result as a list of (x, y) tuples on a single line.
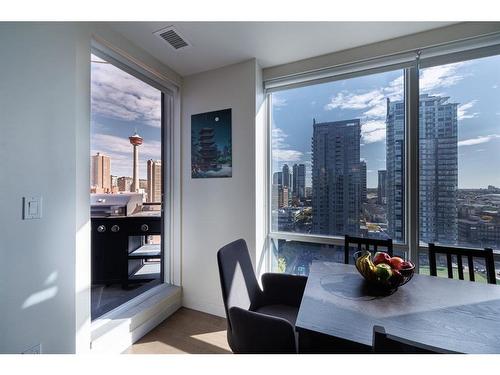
[(120, 106), (472, 84)]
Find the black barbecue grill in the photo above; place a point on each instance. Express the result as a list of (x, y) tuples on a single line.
[(121, 224)]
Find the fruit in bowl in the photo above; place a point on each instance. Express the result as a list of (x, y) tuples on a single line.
[(384, 271), (381, 257)]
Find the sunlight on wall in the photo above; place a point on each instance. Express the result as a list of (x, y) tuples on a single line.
[(40, 297)]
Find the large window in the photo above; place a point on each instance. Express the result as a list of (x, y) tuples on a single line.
[(338, 158), (459, 139), (340, 153)]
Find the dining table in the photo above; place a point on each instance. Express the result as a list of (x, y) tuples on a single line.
[(339, 310)]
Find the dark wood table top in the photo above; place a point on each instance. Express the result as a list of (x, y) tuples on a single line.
[(456, 315)]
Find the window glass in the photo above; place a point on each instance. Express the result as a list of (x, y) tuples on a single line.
[(338, 158), (459, 139)]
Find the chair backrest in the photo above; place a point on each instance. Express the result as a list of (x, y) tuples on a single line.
[(486, 254), (389, 344), (370, 244), (238, 282)]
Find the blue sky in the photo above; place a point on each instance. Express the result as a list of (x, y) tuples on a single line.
[(474, 84), (122, 104)]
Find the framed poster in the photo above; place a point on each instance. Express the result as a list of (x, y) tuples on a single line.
[(211, 145)]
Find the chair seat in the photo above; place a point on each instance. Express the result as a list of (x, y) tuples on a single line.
[(286, 312)]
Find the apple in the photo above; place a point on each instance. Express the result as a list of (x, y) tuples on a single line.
[(381, 257), (396, 262), (383, 272)]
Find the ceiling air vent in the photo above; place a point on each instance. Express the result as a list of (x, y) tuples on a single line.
[(172, 37)]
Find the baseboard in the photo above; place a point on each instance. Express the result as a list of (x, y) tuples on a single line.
[(117, 332), (203, 306)]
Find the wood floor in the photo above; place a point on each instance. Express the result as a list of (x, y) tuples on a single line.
[(186, 331)]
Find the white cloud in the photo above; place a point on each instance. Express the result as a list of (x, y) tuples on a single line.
[(112, 143), (281, 150), (286, 155), (374, 102), (478, 140), (118, 95), (440, 76), (278, 101), (344, 100), (463, 109), (373, 131), (377, 111)]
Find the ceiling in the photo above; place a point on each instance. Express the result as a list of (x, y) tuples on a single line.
[(217, 44)]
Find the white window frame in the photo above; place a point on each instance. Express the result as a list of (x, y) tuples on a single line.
[(169, 93)]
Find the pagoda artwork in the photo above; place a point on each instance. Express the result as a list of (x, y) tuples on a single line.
[(211, 144)]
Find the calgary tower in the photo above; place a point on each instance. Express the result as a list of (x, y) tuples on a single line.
[(136, 141)]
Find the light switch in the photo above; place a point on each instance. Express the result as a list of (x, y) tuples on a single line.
[(32, 207)]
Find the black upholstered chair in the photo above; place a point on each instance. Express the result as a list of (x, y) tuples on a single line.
[(259, 320), (384, 343), (486, 255)]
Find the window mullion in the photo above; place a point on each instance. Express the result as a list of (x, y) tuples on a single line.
[(412, 161)]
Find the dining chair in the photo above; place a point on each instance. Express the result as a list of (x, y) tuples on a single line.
[(371, 244), (459, 252), (258, 320), (384, 343)]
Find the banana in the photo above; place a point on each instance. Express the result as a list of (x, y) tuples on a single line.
[(366, 267)]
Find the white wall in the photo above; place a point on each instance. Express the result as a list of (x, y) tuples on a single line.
[(217, 211), (44, 149), (44, 111)]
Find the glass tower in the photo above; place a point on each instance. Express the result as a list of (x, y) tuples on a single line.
[(438, 169), (336, 177)]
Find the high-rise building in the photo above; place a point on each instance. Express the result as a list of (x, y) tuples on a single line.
[(284, 197), (362, 169), (286, 176), (100, 173), (114, 184), (124, 184), (279, 196), (299, 181), (438, 147), (438, 169), (336, 179), (395, 162), (154, 181), (278, 178), (382, 187)]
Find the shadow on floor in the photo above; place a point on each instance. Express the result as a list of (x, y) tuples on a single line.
[(186, 331)]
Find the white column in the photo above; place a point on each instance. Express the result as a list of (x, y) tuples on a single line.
[(135, 182)]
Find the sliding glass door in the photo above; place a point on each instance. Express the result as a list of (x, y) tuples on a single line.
[(127, 183)]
